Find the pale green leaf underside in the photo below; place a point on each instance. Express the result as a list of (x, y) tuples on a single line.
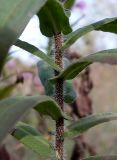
[(77, 128), (32, 139), (105, 25), (106, 56), (14, 16), (35, 51), (103, 157), (11, 109)]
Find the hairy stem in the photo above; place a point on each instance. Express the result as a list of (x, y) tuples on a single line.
[(59, 97)]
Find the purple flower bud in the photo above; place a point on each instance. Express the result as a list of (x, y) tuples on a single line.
[(81, 5)]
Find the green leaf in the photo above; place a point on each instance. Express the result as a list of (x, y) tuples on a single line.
[(53, 19), (106, 56), (35, 51), (45, 73), (5, 91), (32, 139), (11, 109), (68, 4), (106, 25), (104, 157), (82, 125), (68, 92), (14, 16)]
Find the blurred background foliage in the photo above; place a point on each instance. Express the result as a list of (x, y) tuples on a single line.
[(103, 94)]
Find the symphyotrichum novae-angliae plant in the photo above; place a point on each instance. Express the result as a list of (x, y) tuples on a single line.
[(54, 23)]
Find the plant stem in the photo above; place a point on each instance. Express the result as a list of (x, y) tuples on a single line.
[(59, 97)]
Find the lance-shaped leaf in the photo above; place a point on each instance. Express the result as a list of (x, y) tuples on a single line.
[(32, 139), (14, 16), (103, 157), (106, 25), (53, 19), (35, 51), (11, 109), (106, 56), (79, 127), (45, 73)]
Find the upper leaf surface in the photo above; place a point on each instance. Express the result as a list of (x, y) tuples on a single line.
[(32, 139), (35, 51), (11, 109), (106, 56), (82, 125), (14, 16), (106, 25), (53, 19)]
